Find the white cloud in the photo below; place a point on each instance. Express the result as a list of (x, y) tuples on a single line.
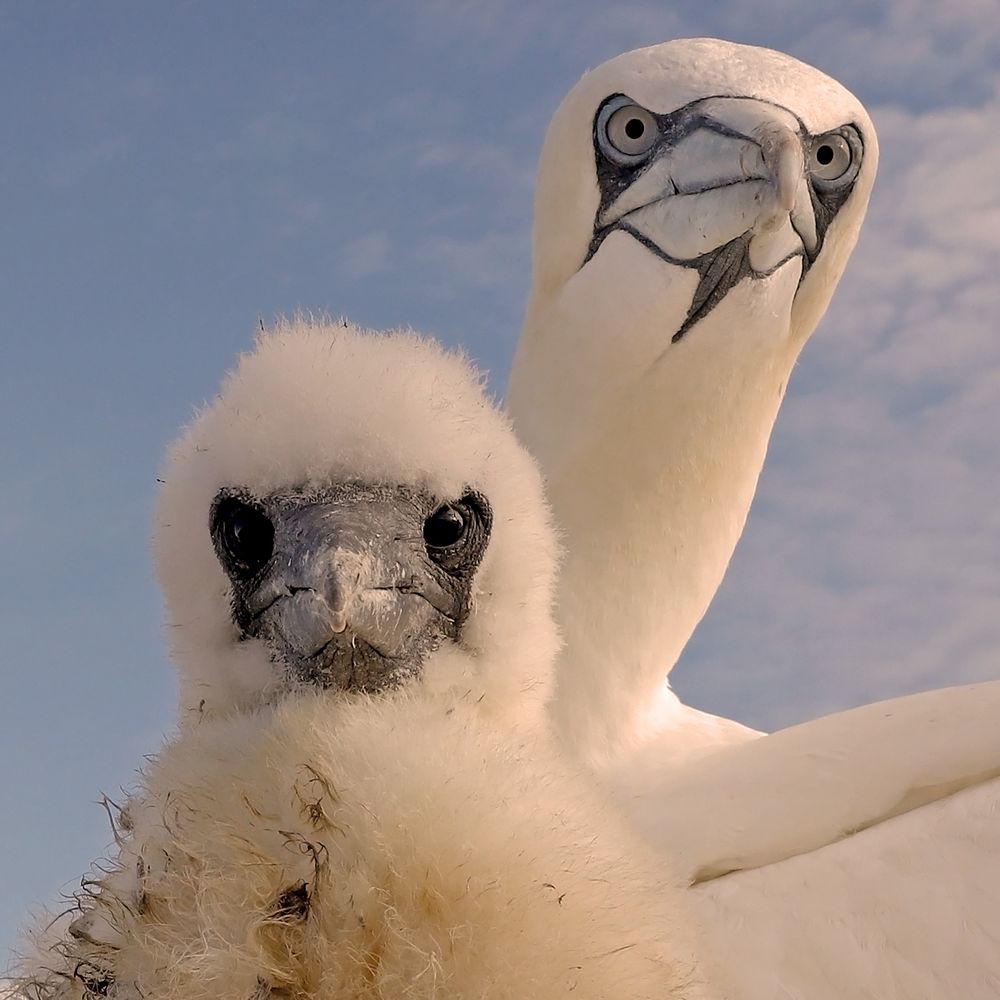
[(365, 256), (494, 161), (491, 261)]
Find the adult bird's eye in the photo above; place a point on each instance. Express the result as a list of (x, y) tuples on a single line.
[(626, 132), (444, 527), (834, 158), (244, 534)]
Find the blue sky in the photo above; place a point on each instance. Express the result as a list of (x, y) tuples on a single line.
[(172, 173)]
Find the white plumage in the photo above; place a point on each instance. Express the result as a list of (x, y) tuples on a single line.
[(652, 448), (317, 403), (654, 358), (423, 841)]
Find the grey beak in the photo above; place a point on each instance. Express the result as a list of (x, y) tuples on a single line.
[(350, 596), (321, 569)]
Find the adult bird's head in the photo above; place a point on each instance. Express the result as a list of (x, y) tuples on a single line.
[(352, 512), (696, 190)]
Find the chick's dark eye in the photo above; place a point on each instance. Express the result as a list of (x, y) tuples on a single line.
[(245, 535), (444, 527)]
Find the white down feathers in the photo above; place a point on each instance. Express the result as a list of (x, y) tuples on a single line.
[(383, 848), (428, 843)]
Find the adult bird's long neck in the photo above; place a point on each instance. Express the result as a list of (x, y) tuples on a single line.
[(652, 450), (688, 237)]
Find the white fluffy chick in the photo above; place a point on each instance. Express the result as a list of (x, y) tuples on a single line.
[(363, 799)]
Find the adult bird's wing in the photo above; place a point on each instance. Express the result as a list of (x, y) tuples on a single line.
[(908, 909), (800, 789), (857, 855)]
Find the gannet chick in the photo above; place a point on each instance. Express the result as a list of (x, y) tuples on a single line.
[(363, 798)]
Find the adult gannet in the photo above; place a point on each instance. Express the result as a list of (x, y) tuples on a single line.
[(362, 799), (697, 203), (677, 274)]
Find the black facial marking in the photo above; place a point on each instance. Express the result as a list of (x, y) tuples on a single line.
[(720, 269), (826, 205), (828, 197), (351, 586)]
